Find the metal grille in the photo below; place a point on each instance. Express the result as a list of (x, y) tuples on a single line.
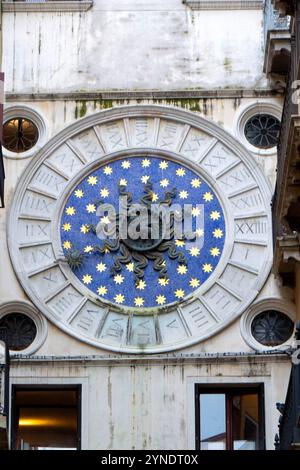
[(19, 135), (20, 331), (272, 328), (262, 131)]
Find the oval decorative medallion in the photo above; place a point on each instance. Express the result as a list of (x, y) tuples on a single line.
[(142, 229)]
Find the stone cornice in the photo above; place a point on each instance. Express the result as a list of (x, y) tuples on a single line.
[(143, 95), (164, 359), (67, 6), (224, 4)]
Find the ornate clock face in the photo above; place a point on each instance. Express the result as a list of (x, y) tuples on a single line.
[(150, 271), (142, 229)]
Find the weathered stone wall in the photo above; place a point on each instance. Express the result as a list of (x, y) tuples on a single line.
[(131, 45), (149, 403)]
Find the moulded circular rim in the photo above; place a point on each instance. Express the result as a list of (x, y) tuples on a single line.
[(36, 117), (245, 113), (154, 111), (18, 306), (281, 305)]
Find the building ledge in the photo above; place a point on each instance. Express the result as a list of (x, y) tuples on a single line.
[(287, 174), (284, 7), (224, 4), (277, 52), (222, 93), (165, 359), (44, 6), (287, 254)]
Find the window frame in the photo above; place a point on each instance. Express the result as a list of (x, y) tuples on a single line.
[(43, 387), (230, 390)]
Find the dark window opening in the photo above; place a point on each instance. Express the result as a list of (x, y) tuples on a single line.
[(20, 330), (262, 131), (19, 135), (272, 328), (229, 418), (46, 418)]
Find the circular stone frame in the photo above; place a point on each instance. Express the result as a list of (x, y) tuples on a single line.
[(39, 320), (25, 112), (247, 112), (280, 305), (219, 158)]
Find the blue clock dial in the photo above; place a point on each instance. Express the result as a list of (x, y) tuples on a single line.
[(143, 271)]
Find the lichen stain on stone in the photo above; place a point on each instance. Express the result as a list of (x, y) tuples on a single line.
[(133, 401), (236, 103), (109, 390), (65, 111), (228, 65), (109, 401), (80, 109), (190, 104)]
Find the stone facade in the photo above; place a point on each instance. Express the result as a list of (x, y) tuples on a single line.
[(64, 64)]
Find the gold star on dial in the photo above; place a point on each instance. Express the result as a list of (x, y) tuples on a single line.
[(102, 290), (179, 293), (140, 284), (194, 282), (180, 172), (84, 229), (126, 165), (195, 211), (87, 279), (163, 281), (79, 193), (119, 298), (196, 183), (182, 269), (215, 215), (88, 249), (101, 267), (139, 301), (215, 252), (164, 183), (199, 232), (180, 243), (207, 268), (67, 245), (194, 251), (107, 170), (118, 278), (91, 208), (160, 299), (146, 163), (154, 197), (105, 220), (145, 179), (218, 233), (92, 180), (104, 192), (66, 227), (208, 197), (130, 267), (183, 194), (163, 165), (70, 210)]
